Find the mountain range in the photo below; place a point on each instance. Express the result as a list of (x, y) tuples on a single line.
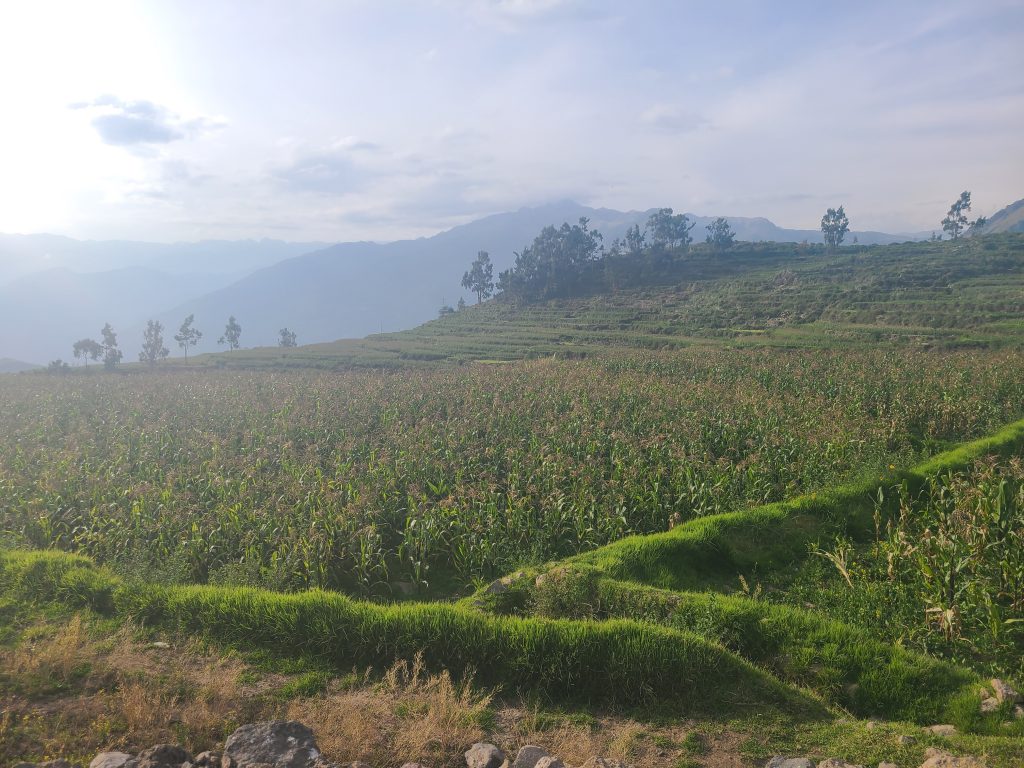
[(54, 290)]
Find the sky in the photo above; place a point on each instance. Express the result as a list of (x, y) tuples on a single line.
[(381, 120)]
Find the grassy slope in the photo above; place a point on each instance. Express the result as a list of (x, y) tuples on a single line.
[(948, 293)]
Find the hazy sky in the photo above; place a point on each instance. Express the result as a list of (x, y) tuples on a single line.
[(372, 119)]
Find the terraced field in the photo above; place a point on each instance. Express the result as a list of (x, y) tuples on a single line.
[(942, 294), (773, 499)]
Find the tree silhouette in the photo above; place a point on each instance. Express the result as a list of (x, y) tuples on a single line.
[(187, 336)]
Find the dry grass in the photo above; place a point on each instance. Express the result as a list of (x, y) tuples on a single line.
[(119, 693)]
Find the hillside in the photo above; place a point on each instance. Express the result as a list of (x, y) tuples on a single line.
[(1009, 219), (57, 290), (947, 294), (8, 365)]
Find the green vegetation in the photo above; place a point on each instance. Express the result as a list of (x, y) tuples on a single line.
[(386, 484), (761, 487), (948, 294)]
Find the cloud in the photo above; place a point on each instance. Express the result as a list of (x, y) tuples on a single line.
[(330, 170), (142, 123), (670, 118)]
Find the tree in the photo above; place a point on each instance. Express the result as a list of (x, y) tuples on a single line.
[(232, 333), (956, 220), (445, 310), (479, 278), (461, 305), (187, 336), (288, 338), (720, 234), (635, 240), (153, 349), (58, 367), (111, 354), (669, 231), (87, 349), (555, 264), (834, 226)]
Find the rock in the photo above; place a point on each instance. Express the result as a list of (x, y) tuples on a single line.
[(1018, 712), (603, 762), (936, 758), (989, 705), (161, 756), (110, 760), (276, 743), (412, 765), (356, 764), (205, 760), (941, 730), (550, 762), (1003, 691), (483, 755), (887, 765), (834, 762), (789, 762), (24, 765), (59, 763), (871, 725), (905, 741), (160, 645), (528, 756)]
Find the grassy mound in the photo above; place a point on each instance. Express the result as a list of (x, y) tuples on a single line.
[(619, 662)]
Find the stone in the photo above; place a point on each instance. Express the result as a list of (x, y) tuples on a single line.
[(24, 765), (275, 743), (528, 756), (412, 765), (789, 762), (550, 762), (936, 758), (1003, 691), (887, 765), (905, 741), (207, 759), (603, 762), (1018, 712), (160, 645), (834, 762), (110, 760), (59, 763), (941, 730), (989, 705), (483, 755), (161, 756), (871, 725)]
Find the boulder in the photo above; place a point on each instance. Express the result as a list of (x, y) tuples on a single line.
[(1018, 712), (161, 756), (413, 765), (275, 743), (904, 740), (550, 762), (989, 705), (205, 760), (941, 730), (1003, 691), (936, 758), (887, 765), (110, 760), (483, 755), (528, 756), (780, 761), (59, 763), (834, 762)]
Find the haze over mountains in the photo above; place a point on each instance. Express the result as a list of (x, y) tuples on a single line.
[(54, 290)]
